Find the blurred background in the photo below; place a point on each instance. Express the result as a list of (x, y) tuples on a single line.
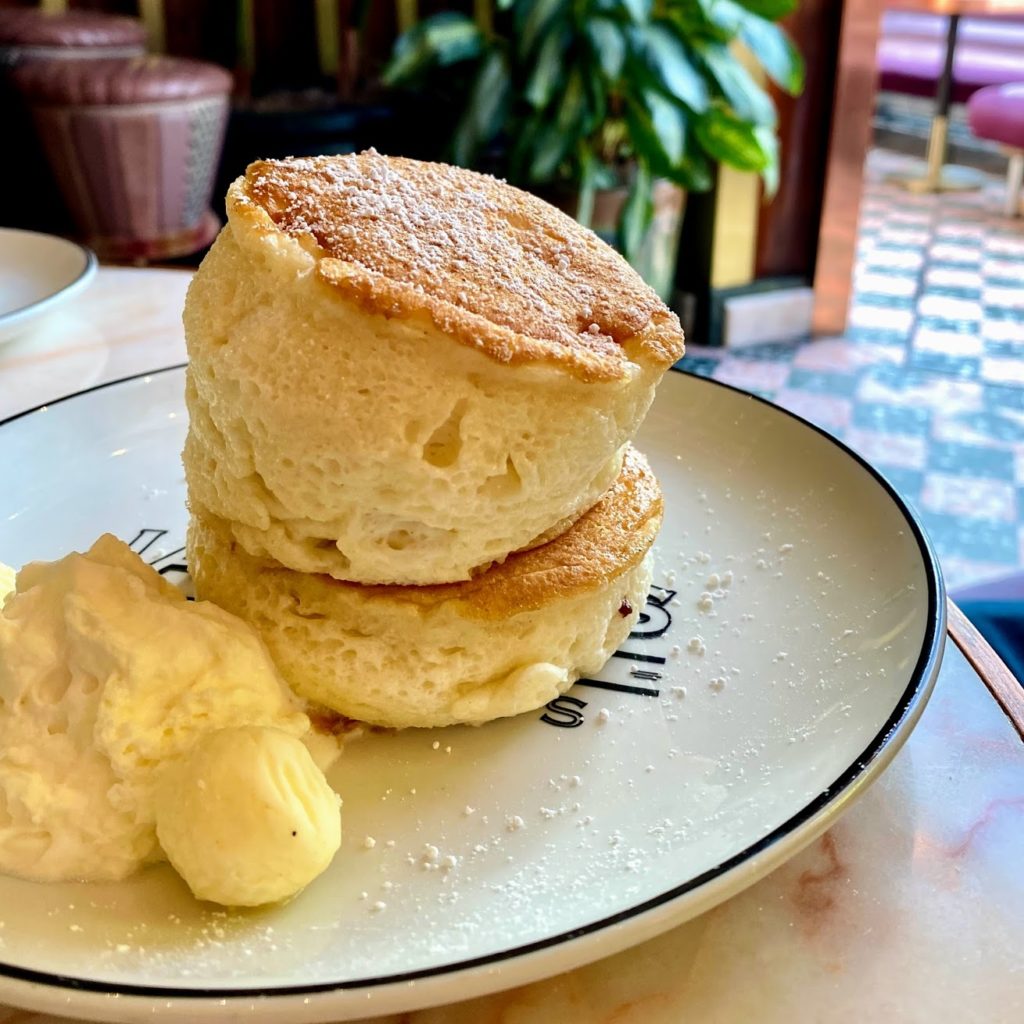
[(827, 192), (660, 124)]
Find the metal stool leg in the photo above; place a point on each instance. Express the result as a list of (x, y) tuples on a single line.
[(938, 176)]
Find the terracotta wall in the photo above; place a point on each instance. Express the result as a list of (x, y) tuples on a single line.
[(853, 103), (787, 236)]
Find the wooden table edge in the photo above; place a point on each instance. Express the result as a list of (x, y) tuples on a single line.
[(1001, 682)]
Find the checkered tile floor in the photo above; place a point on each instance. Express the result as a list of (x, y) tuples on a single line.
[(928, 381)]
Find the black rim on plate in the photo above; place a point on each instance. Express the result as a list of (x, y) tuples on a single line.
[(87, 269), (913, 692)]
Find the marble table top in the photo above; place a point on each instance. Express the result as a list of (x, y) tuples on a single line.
[(910, 909), (126, 322)]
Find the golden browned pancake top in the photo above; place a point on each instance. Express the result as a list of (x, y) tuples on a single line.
[(494, 267)]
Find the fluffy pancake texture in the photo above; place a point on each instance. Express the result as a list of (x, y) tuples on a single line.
[(496, 268), (402, 372), (500, 644)]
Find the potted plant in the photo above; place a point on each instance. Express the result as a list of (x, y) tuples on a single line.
[(610, 108)]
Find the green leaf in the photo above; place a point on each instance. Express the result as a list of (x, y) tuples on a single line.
[(776, 53), (749, 101), (732, 141), (769, 43), (691, 172), (696, 20), (638, 10), (660, 146), (770, 175), (558, 136), (609, 46), (597, 98), (725, 15), (573, 103), (523, 145), (440, 40), (547, 151), (670, 60), (605, 176), (771, 9), (695, 173), (588, 185), (548, 71), (536, 20), (668, 120), (485, 111), (637, 212)]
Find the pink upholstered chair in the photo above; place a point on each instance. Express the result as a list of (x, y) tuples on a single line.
[(997, 113)]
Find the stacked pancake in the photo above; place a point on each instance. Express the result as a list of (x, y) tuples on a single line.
[(412, 390)]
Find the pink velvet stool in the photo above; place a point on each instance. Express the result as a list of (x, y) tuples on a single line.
[(134, 146), (997, 113)]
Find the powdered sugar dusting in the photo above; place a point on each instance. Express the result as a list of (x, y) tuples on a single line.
[(402, 233)]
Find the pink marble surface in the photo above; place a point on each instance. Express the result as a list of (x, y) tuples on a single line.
[(911, 909), (127, 321)]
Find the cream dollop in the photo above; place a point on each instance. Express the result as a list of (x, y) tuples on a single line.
[(247, 817), (7, 576), (109, 677)]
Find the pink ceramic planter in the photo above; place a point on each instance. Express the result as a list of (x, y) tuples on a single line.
[(134, 146), (29, 34), (29, 196)]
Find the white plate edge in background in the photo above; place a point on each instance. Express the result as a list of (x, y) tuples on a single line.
[(15, 321)]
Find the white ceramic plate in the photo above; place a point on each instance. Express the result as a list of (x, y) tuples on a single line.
[(571, 837), (36, 273)]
